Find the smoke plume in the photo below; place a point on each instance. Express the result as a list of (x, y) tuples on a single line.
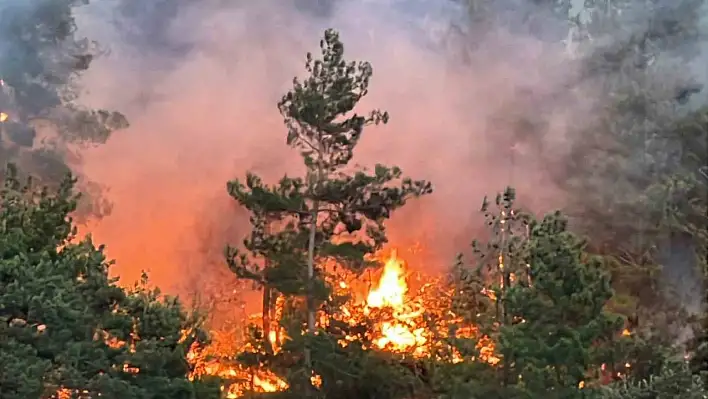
[(199, 82)]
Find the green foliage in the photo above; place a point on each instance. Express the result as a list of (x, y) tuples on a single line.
[(64, 323), (699, 347), (674, 381), (468, 380), (562, 325), (544, 304), (356, 372)]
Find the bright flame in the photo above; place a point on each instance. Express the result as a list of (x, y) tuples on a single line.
[(239, 379), (392, 287), (316, 380), (391, 293), (402, 326), (4, 117)]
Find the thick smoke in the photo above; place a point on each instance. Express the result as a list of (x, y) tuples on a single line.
[(199, 81)]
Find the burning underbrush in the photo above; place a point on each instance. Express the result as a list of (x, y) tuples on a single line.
[(401, 313)]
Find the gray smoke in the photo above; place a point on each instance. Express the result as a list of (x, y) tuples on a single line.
[(476, 103)]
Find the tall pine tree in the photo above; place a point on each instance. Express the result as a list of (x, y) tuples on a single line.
[(334, 215)]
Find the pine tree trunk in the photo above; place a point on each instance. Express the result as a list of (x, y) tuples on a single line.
[(311, 262), (274, 295), (314, 214), (505, 282), (267, 302), (310, 280), (266, 317)]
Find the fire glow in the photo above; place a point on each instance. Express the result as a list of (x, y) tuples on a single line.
[(391, 292), (400, 327)]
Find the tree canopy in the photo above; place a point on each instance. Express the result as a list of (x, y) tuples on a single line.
[(65, 325)]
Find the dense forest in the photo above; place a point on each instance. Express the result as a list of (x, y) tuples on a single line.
[(603, 298)]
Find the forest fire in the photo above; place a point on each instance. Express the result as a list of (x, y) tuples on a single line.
[(391, 292), (410, 323), (240, 380)]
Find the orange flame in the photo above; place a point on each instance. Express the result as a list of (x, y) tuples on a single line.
[(402, 328), (392, 286), (391, 293), (239, 379)]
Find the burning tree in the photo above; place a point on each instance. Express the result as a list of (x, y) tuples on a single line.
[(66, 329), (306, 229)]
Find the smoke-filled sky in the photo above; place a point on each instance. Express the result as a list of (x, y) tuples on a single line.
[(199, 82)]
